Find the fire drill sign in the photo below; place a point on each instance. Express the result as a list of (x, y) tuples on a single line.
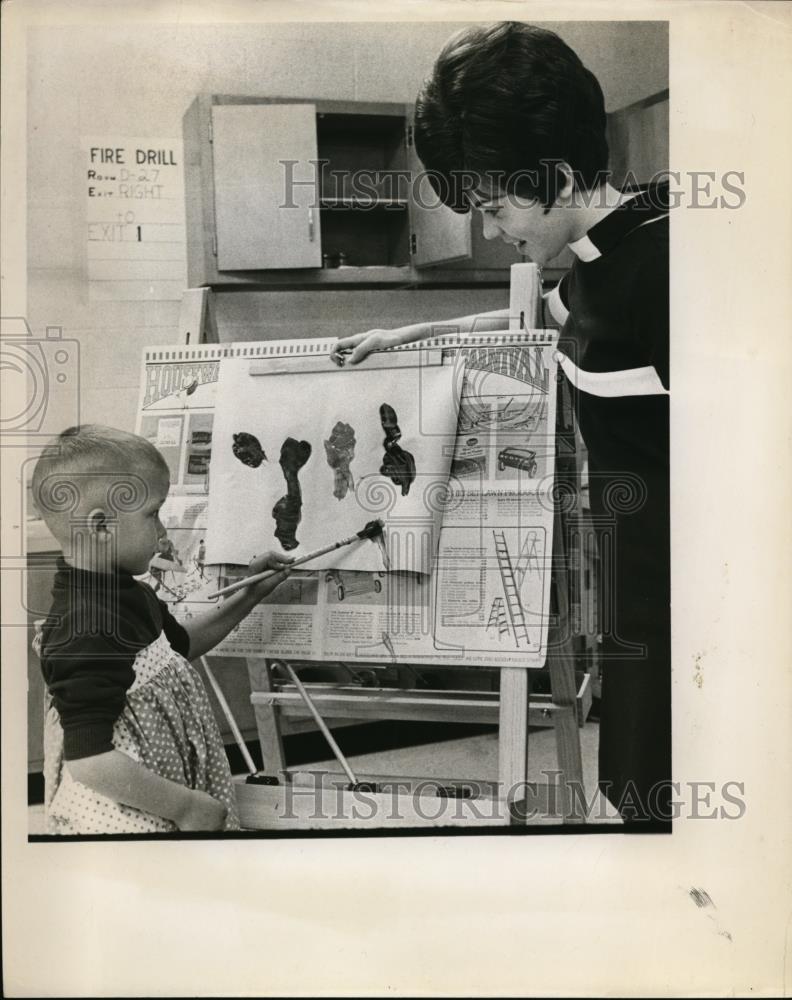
[(135, 228)]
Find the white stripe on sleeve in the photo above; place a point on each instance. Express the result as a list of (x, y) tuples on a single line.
[(555, 304), (628, 382)]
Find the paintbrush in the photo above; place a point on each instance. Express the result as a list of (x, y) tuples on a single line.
[(372, 530)]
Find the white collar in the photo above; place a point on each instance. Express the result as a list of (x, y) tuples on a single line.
[(584, 249)]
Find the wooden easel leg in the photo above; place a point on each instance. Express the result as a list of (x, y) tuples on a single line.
[(513, 734), (197, 323), (525, 291), (561, 667), (267, 720)]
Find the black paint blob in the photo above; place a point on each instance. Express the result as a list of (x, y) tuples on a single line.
[(288, 510), (398, 465), (247, 449)]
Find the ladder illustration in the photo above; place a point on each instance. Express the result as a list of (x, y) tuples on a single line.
[(511, 590), (497, 618), (528, 559)]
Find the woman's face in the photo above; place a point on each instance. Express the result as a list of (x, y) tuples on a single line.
[(537, 233)]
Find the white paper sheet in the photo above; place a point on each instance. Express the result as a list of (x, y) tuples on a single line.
[(327, 430)]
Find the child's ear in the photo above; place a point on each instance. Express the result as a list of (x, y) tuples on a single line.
[(97, 521)]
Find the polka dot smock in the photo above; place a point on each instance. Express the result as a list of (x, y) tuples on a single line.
[(167, 725)]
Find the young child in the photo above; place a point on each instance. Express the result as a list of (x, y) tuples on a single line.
[(130, 742), (511, 123)]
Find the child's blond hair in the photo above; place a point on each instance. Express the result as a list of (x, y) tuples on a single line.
[(81, 459)]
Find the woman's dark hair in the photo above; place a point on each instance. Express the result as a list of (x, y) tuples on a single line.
[(504, 105)]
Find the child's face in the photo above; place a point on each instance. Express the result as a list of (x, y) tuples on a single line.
[(138, 532), (523, 222)]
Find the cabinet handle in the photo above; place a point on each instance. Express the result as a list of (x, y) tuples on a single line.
[(311, 225)]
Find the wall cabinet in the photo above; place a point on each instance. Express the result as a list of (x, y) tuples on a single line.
[(286, 193)]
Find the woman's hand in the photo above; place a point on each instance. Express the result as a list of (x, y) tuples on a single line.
[(201, 812), (357, 347), (270, 560)]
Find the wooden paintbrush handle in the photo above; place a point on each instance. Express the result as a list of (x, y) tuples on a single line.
[(258, 577)]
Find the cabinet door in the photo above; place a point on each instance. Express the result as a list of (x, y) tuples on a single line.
[(638, 140), (263, 221), (437, 235)]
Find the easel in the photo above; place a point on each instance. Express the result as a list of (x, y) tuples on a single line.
[(298, 804)]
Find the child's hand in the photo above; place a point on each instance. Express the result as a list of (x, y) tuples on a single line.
[(203, 812), (270, 560)]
